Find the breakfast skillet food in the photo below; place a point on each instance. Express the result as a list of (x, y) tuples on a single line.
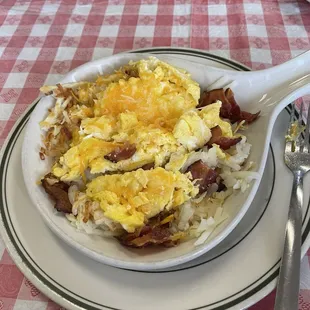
[(139, 155)]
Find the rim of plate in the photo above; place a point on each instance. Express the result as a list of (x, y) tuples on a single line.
[(65, 299)]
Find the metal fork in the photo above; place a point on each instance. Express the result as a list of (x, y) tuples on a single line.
[(297, 159)]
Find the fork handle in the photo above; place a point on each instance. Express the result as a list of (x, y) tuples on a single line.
[(288, 282)]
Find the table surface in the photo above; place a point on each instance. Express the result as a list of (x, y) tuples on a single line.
[(40, 41)]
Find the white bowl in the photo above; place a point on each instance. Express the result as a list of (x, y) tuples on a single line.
[(110, 251)]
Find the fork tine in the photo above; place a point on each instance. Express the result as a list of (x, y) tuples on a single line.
[(301, 112), (290, 146), (307, 144), (300, 125), (293, 115)]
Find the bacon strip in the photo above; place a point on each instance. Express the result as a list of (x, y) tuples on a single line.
[(148, 166), (203, 175), (223, 142), (121, 153), (58, 191), (249, 117), (230, 108), (155, 232), (216, 133), (151, 234), (157, 235)]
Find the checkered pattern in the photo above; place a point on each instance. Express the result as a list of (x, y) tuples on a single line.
[(42, 40)]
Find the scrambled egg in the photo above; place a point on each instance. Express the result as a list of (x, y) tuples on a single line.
[(154, 146), (191, 131), (74, 162), (101, 135), (133, 197), (100, 127), (159, 94), (211, 117), (177, 160)]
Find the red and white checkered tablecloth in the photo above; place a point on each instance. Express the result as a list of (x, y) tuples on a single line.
[(40, 41)]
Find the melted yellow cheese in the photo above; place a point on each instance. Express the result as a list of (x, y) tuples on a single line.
[(160, 95)]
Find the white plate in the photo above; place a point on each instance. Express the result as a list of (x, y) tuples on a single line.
[(235, 274)]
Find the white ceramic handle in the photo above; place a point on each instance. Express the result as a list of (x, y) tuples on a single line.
[(288, 93), (285, 73), (289, 71)]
